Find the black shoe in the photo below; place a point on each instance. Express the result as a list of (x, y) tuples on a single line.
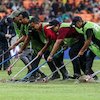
[(65, 77), (31, 79), (43, 75), (25, 80), (55, 77), (76, 76), (71, 77)]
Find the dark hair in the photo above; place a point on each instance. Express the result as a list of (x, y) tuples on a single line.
[(25, 14), (54, 23), (76, 19), (34, 20)]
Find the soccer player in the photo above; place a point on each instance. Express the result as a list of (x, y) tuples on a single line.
[(51, 37), (21, 22), (74, 40), (91, 32), (40, 41)]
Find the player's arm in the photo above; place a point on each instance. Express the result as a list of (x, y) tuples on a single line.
[(55, 48), (44, 48), (18, 42), (89, 34), (26, 42)]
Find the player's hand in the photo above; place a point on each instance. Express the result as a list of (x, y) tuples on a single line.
[(49, 58), (12, 47), (39, 53), (80, 53), (20, 51), (9, 70)]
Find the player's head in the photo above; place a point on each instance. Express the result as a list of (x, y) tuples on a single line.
[(35, 22), (23, 17), (77, 21), (54, 25)]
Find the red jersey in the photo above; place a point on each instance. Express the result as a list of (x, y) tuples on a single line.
[(50, 34), (67, 32)]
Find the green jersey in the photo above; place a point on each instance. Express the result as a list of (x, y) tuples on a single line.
[(21, 30), (18, 30), (42, 34), (95, 27), (65, 25), (38, 38), (79, 30), (96, 32)]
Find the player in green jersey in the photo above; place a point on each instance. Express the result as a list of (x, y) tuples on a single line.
[(91, 32)]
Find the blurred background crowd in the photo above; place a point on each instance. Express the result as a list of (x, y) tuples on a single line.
[(62, 10)]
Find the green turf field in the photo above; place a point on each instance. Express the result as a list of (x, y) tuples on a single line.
[(53, 90)]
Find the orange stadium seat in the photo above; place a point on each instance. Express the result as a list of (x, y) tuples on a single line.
[(70, 1), (27, 3), (40, 1), (86, 17)]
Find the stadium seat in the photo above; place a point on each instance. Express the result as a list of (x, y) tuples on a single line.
[(86, 17), (27, 3)]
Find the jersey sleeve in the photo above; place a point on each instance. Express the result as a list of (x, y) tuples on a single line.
[(62, 33), (89, 33), (50, 34)]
